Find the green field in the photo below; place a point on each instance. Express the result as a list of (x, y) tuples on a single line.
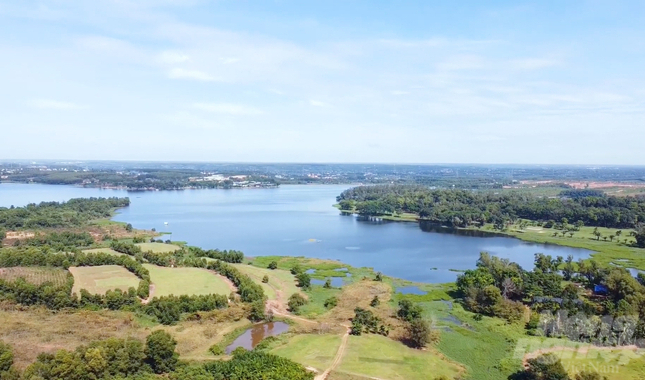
[(311, 350), (280, 280), (382, 357), (189, 281), (100, 279), (35, 275), (109, 251), (158, 247)]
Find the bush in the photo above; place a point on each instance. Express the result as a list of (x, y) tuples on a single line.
[(265, 279), (273, 265), (216, 350), (295, 301), (331, 302), (6, 357)]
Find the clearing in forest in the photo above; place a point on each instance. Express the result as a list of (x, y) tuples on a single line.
[(100, 279), (281, 285), (35, 275), (158, 247), (189, 281), (109, 251)]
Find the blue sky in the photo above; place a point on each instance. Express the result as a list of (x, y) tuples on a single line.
[(556, 82)]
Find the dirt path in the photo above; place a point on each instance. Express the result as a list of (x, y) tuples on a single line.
[(228, 282), (579, 350), (337, 359)]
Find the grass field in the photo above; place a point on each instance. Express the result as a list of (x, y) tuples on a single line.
[(33, 331), (158, 247), (280, 280), (312, 350), (35, 275), (382, 357), (189, 281), (109, 251), (100, 279)]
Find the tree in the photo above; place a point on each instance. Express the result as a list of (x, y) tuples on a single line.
[(265, 279), (273, 265), (375, 302), (304, 281), (257, 311), (418, 333), (567, 271), (160, 352), (128, 227), (295, 301), (379, 276), (408, 311), (327, 284), (640, 236)]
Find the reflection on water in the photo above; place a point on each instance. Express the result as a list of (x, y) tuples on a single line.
[(254, 335)]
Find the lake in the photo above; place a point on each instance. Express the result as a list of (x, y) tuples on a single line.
[(298, 220)]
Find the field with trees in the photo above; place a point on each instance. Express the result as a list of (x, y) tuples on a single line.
[(35, 275), (100, 279), (158, 247)]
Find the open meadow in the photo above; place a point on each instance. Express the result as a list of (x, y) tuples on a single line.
[(100, 279), (312, 350), (158, 247), (281, 283), (189, 281), (35, 275), (109, 251), (382, 357)]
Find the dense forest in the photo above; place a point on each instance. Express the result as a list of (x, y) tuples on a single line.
[(461, 208), (73, 213)]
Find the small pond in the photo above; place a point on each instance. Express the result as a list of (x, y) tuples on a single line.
[(336, 282), (254, 335), (411, 290)]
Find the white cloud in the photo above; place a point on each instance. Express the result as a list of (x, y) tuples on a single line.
[(178, 73), (532, 63), (228, 108), (173, 57), (55, 105), (317, 103)]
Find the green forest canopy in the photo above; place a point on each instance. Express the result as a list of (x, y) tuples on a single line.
[(461, 208), (73, 213)]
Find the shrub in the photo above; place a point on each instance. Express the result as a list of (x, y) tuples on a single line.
[(273, 265), (295, 301)]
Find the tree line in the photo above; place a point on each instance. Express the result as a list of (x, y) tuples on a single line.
[(75, 212), (461, 208)]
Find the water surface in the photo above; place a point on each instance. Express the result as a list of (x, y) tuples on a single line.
[(254, 335), (299, 220)]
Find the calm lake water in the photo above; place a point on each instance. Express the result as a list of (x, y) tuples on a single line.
[(297, 221)]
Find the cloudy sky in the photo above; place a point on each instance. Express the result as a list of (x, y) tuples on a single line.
[(324, 81)]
